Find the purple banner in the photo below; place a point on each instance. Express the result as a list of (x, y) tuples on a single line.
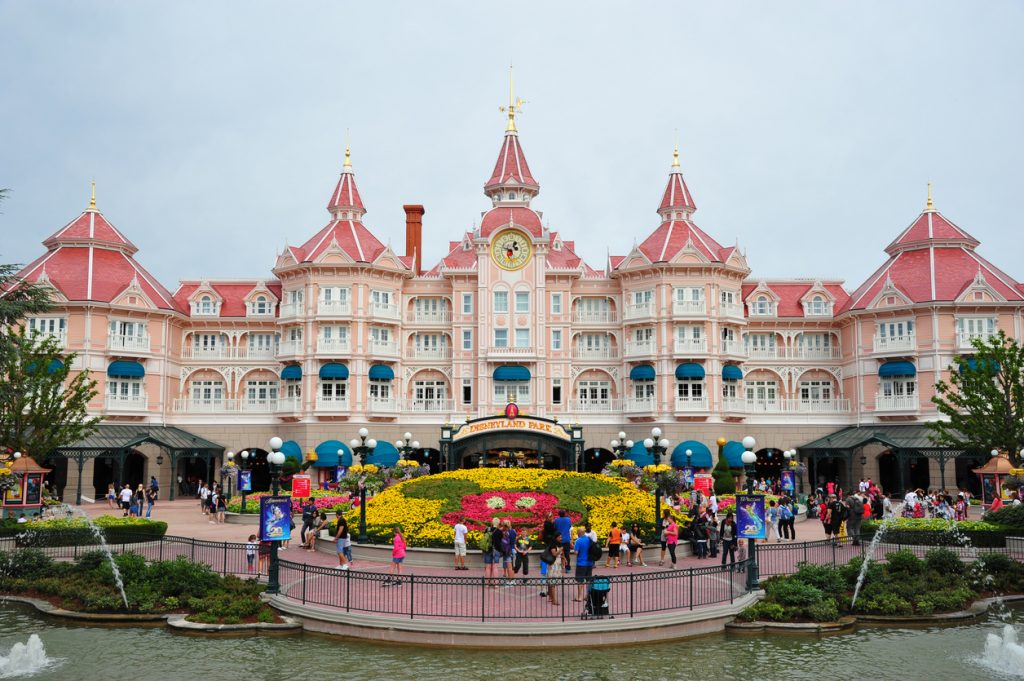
[(788, 479), (750, 516), (244, 481), (688, 475), (275, 518)]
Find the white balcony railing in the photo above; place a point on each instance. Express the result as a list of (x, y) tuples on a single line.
[(379, 405), (291, 310), (429, 316), (335, 346), (635, 348), (964, 339), (429, 406), (289, 405), (443, 352), (799, 352), (127, 402), (257, 351), (384, 310), (384, 348), (197, 405), (256, 405), (60, 337), (691, 346), (761, 352), (733, 347), (786, 406), (691, 403), (120, 343), (895, 343), (734, 310), (735, 405), (206, 352), (333, 308), (640, 310), (688, 307), (634, 405), (594, 316), (594, 353), (512, 351), (897, 403), (595, 405), (289, 348), (331, 403)]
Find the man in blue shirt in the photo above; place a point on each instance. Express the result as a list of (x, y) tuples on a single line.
[(563, 526), (584, 566)]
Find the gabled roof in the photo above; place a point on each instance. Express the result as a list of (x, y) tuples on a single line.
[(511, 216), (789, 293), (233, 294), (672, 236), (458, 257), (350, 235), (511, 166)]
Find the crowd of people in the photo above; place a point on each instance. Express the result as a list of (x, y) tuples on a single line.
[(133, 502)]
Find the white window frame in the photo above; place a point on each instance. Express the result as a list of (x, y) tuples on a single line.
[(501, 301), (556, 303), (556, 339), (522, 338), (690, 388), (501, 338), (467, 339), (467, 303), (522, 302)]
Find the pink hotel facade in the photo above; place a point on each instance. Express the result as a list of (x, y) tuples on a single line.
[(345, 333)]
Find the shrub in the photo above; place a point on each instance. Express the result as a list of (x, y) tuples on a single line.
[(265, 615), (26, 563), (764, 610), (904, 562), (923, 606), (181, 578), (448, 490), (789, 591), (577, 488), (948, 600), (944, 562), (824, 577), (823, 611), (886, 604), (1009, 516)]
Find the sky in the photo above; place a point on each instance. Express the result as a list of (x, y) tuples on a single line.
[(215, 131)]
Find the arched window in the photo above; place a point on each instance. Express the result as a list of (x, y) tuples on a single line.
[(818, 306), (511, 196), (261, 305), (206, 305), (762, 305)]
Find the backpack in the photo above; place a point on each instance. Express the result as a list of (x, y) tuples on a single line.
[(594, 551), (785, 513), (484, 544), (506, 543)]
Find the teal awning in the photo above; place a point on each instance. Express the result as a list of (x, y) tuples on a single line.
[(733, 452), (125, 370), (327, 454), (53, 367), (381, 372), (731, 372), (334, 371), (891, 369), (639, 455), (292, 372), (292, 450), (643, 372), (689, 370), (972, 364), (511, 373), (701, 457), (384, 454)]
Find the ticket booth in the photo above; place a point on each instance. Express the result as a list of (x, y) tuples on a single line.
[(27, 495)]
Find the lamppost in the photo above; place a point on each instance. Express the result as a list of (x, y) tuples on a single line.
[(363, 445), (242, 466), (621, 445), (231, 459), (275, 460), (407, 445), (656, 446), (749, 459)]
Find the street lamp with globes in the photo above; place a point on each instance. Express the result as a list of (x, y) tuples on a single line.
[(362, 446), (275, 459), (243, 466), (656, 446), (749, 459)]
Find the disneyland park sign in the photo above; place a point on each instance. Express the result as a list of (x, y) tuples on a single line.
[(502, 424)]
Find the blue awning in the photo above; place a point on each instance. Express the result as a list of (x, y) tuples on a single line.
[(643, 372), (689, 370), (334, 371), (890, 369), (381, 372), (327, 454), (125, 370), (292, 450), (384, 454), (53, 367), (511, 373), (731, 372), (733, 452), (640, 455), (972, 364), (701, 457), (292, 372)]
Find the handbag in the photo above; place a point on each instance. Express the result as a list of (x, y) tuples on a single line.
[(547, 558)]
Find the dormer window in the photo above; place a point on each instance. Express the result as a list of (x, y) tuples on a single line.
[(511, 196), (206, 305), (763, 306), (818, 306), (261, 306)]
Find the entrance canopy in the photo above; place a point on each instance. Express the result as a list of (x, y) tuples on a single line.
[(547, 441)]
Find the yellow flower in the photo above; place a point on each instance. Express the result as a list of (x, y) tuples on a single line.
[(619, 463), (659, 468)]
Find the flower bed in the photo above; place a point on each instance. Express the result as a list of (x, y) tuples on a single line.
[(325, 501), (427, 508)]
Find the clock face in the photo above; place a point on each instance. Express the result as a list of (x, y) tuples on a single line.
[(511, 250)]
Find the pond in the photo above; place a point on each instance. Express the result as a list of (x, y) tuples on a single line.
[(75, 652)]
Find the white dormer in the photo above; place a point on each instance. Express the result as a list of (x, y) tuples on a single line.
[(818, 301), (762, 302), (260, 301), (205, 301)]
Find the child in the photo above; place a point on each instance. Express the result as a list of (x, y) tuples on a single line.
[(264, 553), (397, 556), (522, 555), (250, 552), (624, 549)]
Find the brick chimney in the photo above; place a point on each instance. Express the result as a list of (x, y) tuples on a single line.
[(414, 236)]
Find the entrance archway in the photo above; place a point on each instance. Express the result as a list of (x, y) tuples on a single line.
[(260, 469), (919, 476), (428, 456), (826, 469), (769, 464), (595, 459), (889, 472), (57, 478)]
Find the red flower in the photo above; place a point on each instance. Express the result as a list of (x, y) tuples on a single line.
[(524, 516)]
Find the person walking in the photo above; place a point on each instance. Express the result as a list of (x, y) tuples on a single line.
[(671, 538), (150, 501), (773, 522), (397, 557), (340, 537), (563, 526), (666, 516), (460, 545), (204, 499), (222, 508), (126, 500), (636, 545), (854, 518), (614, 542), (730, 536), (111, 496)]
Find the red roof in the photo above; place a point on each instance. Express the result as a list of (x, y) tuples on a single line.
[(519, 216), (564, 258), (790, 293), (458, 258), (677, 194), (232, 295), (674, 235), (351, 235), (346, 194), (90, 227), (511, 166), (930, 228)]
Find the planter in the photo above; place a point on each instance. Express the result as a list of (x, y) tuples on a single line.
[(289, 626)]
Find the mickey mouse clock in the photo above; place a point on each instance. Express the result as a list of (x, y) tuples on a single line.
[(511, 250)]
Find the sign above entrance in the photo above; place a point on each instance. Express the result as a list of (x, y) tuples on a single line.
[(501, 424)]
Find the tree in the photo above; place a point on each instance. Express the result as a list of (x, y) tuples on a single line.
[(40, 409), (984, 399), (725, 483)]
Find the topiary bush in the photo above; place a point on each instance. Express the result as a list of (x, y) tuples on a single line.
[(791, 592), (1009, 516), (886, 604), (824, 577), (764, 610)]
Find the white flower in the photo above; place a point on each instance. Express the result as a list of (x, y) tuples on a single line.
[(526, 502), (495, 502)]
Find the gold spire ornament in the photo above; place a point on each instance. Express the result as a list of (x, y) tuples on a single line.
[(515, 104), (92, 197), (348, 157), (930, 205), (675, 157)]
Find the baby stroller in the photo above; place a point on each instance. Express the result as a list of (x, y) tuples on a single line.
[(596, 603)]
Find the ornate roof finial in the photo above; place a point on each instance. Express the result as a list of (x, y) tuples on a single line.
[(92, 197), (515, 104), (675, 156), (930, 206)]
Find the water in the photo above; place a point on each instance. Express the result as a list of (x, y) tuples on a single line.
[(1003, 654), (94, 652), (71, 512), (869, 554), (24, 659)]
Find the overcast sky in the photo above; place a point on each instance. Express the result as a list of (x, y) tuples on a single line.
[(808, 130)]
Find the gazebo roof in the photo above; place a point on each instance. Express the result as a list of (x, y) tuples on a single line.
[(26, 464), (997, 465)]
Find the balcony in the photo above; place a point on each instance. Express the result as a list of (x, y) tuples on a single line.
[(331, 403), (206, 352), (132, 403), (733, 310), (289, 310), (382, 405), (762, 352), (195, 405), (429, 316), (594, 353), (814, 353), (640, 405), (333, 346), (733, 347), (688, 307), (964, 339), (640, 310), (512, 351), (289, 405), (897, 403), (780, 405), (641, 348), (333, 308), (384, 310), (691, 404), (418, 352), (382, 348), (907, 343), (255, 405), (61, 336), (430, 406), (594, 316), (119, 343), (691, 346), (257, 351), (596, 405), (289, 348)]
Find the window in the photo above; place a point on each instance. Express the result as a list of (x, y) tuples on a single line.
[(511, 196), (815, 345), (818, 306), (380, 391), (429, 395), (899, 387), (763, 306), (126, 334), (690, 388), (295, 334), (260, 392), (761, 392), (294, 297), (686, 334), (261, 342), (501, 302), (729, 298), (643, 335), (729, 389), (206, 342), (334, 389), (975, 327), (728, 334), (380, 298), (592, 393), (261, 306), (467, 303), (643, 390), (501, 338), (47, 326), (337, 334), (556, 391), (519, 390), (522, 338), (125, 389), (643, 297), (522, 302), (380, 335), (335, 297), (206, 305), (556, 303), (593, 309), (556, 338), (467, 339), (593, 343), (692, 297), (761, 344), (467, 391), (815, 391), (896, 330), (207, 392), (293, 389)]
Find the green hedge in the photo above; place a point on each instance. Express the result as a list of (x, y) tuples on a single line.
[(76, 531), (938, 532)]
